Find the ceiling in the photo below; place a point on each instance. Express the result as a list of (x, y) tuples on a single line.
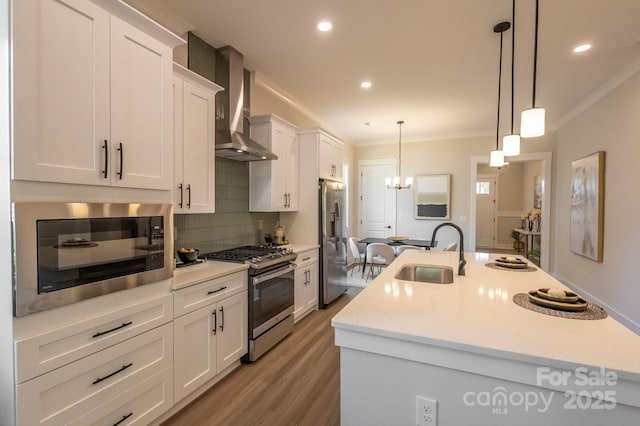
[(433, 63)]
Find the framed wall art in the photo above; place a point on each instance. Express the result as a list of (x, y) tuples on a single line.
[(587, 206), (432, 197), (537, 192)]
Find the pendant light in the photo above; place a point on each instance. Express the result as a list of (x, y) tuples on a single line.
[(394, 183), (532, 119), (511, 143), (497, 156)]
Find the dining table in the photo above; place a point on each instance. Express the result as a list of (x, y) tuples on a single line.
[(426, 244)]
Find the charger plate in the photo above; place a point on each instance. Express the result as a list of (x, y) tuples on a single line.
[(592, 312), (397, 239)]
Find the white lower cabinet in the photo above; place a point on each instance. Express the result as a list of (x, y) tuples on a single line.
[(138, 405), (208, 340), (306, 284), (68, 393), (47, 351)]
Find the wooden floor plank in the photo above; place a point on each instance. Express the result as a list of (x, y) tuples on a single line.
[(295, 383)]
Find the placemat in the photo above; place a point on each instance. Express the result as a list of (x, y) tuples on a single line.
[(493, 265), (593, 311)]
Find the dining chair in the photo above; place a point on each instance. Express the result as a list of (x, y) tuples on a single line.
[(451, 247), (358, 256), (401, 249), (379, 254)]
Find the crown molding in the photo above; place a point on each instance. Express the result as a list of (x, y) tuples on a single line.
[(608, 86), (262, 81)]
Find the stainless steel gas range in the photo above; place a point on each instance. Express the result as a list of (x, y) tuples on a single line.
[(271, 275)]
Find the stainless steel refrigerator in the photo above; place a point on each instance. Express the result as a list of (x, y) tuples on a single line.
[(333, 246)]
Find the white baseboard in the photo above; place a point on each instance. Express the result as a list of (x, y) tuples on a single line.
[(619, 316)]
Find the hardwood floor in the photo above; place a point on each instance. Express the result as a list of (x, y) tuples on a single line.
[(295, 383)]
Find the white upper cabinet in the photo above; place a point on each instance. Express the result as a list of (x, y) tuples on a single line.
[(274, 185), (92, 97), (61, 91), (194, 130), (141, 110), (330, 158), (329, 153)]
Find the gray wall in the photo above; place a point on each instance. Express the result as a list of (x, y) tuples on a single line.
[(231, 225)]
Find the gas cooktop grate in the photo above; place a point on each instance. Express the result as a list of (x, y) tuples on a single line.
[(240, 254)]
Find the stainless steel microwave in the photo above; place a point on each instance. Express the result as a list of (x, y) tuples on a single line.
[(67, 252)]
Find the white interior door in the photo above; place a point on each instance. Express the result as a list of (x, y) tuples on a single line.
[(486, 211), (377, 203)]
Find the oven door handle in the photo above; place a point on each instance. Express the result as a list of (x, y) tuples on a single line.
[(278, 272)]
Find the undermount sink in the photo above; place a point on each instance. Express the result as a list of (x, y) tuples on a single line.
[(434, 274)]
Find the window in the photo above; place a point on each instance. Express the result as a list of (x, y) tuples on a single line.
[(482, 188)]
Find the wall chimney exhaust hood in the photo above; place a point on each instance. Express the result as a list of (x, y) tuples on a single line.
[(231, 141)]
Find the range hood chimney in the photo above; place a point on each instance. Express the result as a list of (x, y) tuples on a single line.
[(231, 140)]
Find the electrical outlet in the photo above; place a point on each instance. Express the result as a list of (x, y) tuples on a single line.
[(260, 225), (426, 411)]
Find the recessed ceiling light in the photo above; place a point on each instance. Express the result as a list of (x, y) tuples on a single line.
[(324, 26), (582, 48), (365, 84)]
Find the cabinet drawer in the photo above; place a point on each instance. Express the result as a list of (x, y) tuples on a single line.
[(39, 354), (75, 389), (306, 258), (191, 298), (138, 405)]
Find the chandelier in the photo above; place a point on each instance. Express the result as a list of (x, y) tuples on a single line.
[(394, 182)]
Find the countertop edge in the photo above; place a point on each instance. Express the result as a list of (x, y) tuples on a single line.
[(206, 271), (511, 366)]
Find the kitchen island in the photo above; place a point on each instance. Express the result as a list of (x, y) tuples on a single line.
[(484, 359)]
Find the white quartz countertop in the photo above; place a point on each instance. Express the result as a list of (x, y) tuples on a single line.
[(210, 269), (477, 314), (207, 270)]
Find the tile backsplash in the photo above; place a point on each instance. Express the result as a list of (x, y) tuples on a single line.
[(232, 224)]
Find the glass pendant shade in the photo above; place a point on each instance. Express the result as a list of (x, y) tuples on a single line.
[(394, 182), (511, 145), (532, 122), (497, 159)]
